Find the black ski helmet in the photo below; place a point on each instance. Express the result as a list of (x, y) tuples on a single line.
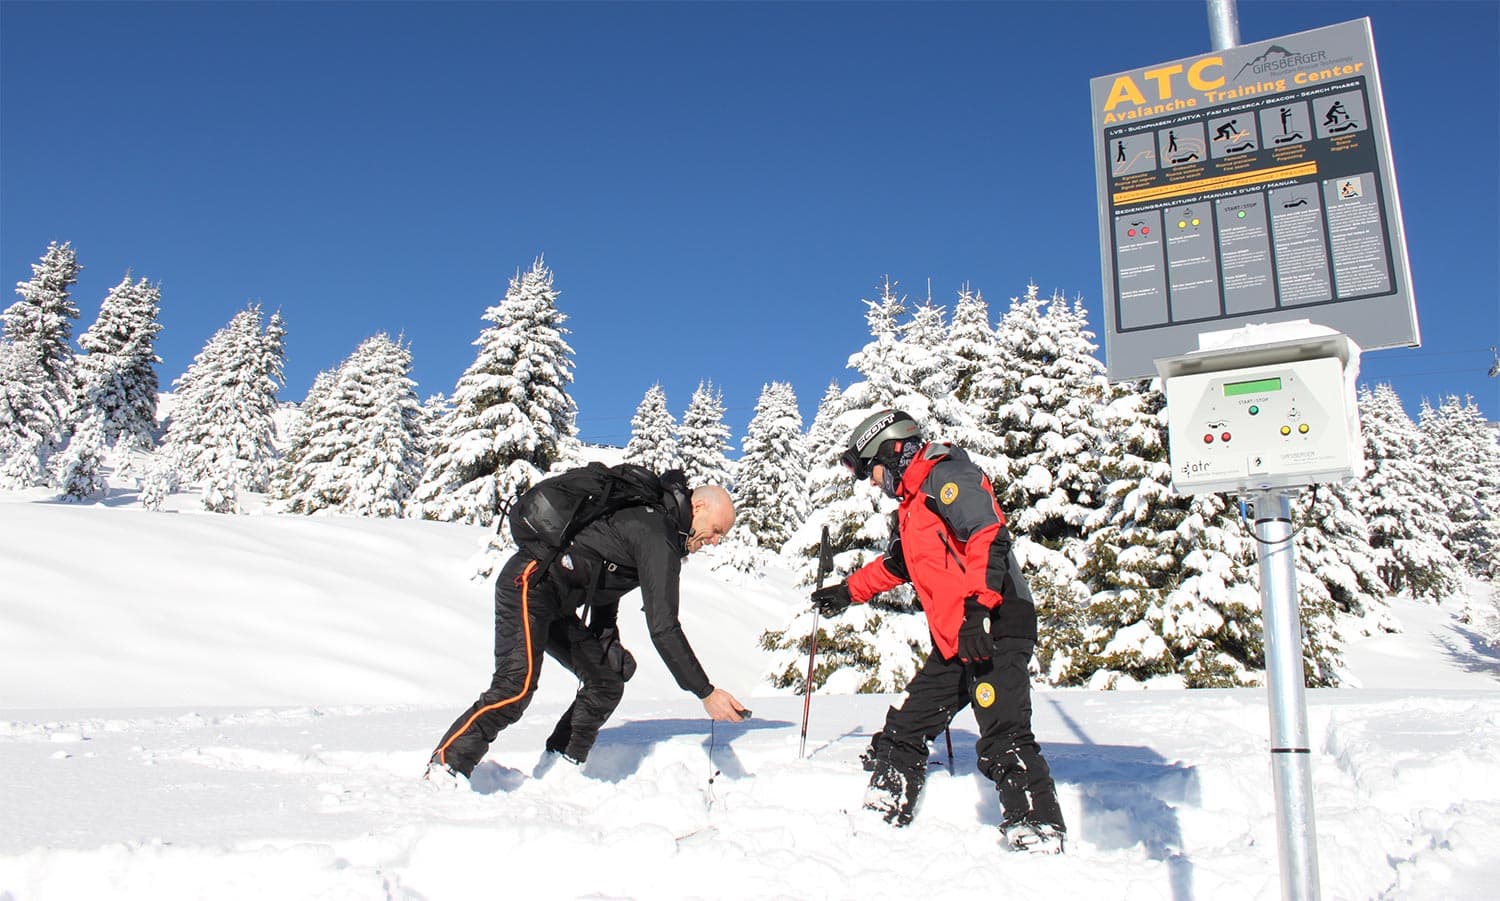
[(878, 439)]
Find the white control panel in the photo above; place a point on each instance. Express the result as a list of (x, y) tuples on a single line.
[(1248, 427)]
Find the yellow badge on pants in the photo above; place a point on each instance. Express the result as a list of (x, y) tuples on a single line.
[(984, 694)]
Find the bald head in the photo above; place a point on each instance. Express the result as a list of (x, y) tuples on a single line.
[(713, 516)]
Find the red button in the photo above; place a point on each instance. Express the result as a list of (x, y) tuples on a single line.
[(1208, 439), (1224, 437)]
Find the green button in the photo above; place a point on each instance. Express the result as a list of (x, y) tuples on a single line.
[(1254, 409)]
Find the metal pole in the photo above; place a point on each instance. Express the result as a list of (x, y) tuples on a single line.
[(825, 566), (1223, 24), (1291, 758), (807, 686)]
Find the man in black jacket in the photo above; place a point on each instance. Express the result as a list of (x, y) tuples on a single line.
[(539, 611)]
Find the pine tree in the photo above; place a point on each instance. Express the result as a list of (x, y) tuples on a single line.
[(1211, 622), (1133, 560), (389, 453), (1466, 464), (1409, 525), (358, 451), (40, 385), (997, 395), (511, 417), (78, 469), (971, 341), (295, 484), (883, 361), (827, 486), (117, 387), (221, 431), (928, 368), (975, 351), (703, 439), (1048, 419), (1333, 546), (653, 442), (825, 442), (119, 367), (858, 514), (434, 408), (28, 422), (772, 470), (869, 648)]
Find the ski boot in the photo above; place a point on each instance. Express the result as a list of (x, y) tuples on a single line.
[(1025, 835), (893, 794), (443, 776)]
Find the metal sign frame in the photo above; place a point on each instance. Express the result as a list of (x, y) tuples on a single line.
[(1250, 184)]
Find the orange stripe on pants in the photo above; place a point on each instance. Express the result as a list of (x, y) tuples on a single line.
[(442, 754)]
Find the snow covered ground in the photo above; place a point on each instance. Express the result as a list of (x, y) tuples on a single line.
[(198, 706)]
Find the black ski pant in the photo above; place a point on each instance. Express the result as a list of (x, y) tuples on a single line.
[(532, 616), (1000, 692)]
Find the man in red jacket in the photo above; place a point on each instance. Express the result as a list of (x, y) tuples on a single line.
[(953, 547)]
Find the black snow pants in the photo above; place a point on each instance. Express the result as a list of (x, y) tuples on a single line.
[(1000, 692), (531, 616)]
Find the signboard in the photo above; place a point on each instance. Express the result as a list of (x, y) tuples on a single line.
[(1252, 184)]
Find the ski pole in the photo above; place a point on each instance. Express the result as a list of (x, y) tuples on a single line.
[(825, 565), (948, 737)]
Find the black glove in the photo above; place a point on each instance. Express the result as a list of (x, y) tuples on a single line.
[(974, 642), (833, 600)]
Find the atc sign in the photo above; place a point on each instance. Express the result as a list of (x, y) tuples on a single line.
[(1252, 184)]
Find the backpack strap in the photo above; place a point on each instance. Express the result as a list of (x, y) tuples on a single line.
[(677, 501)]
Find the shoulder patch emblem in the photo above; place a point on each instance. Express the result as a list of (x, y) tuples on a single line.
[(948, 493), (984, 694)]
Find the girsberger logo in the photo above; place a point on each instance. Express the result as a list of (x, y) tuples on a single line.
[(1277, 59)]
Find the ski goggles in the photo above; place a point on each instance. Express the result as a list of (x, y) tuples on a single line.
[(856, 464)]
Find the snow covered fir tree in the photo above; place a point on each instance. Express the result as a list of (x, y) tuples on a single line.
[(510, 418), (219, 436), (38, 373), (357, 447), (769, 493), (117, 388), (1408, 520), (703, 440), (1135, 585), (653, 434), (1466, 469)]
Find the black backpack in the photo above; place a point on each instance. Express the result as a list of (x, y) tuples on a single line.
[(546, 518)]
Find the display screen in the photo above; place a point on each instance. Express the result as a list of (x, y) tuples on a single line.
[(1258, 386)]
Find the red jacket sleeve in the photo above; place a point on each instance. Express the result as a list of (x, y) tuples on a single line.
[(870, 580)]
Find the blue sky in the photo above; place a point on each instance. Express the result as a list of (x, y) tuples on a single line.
[(716, 186)]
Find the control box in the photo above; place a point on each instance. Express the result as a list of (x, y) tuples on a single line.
[(1261, 416)]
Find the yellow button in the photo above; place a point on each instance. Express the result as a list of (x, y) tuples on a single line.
[(1286, 430), (1302, 428)]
